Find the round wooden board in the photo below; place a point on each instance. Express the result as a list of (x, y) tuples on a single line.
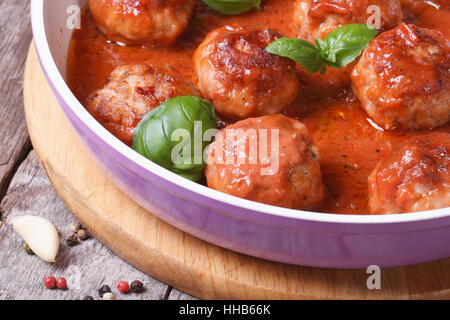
[(176, 258)]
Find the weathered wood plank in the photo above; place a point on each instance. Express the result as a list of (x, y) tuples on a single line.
[(15, 281), (86, 266), (15, 36)]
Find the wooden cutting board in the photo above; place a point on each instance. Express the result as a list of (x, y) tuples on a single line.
[(176, 258)]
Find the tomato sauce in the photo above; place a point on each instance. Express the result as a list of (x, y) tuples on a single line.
[(349, 143)]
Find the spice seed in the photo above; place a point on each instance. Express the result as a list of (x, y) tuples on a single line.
[(72, 241), (27, 249), (103, 289), (62, 284), (109, 296), (76, 226), (83, 234), (50, 282), (137, 286), (123, 287)]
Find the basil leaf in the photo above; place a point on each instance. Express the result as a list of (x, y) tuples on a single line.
[(339, 48), (301, 51), (233, 6), (157, 136), (345, 44)]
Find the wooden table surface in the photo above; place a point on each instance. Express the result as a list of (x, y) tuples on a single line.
[(25, 189)]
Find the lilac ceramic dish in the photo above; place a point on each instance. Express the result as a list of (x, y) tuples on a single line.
[(295, 237)]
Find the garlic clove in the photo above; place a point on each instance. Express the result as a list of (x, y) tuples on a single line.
[(40, 235)]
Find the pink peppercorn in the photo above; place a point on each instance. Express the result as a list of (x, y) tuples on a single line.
[(62, 284), (123, 287), (50, 282)]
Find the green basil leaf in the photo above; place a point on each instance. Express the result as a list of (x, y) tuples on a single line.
[(345, 44), (154, 136), (233, 6), (301, 51), (339, 48)]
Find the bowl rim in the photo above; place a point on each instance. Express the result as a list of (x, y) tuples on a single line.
[(55, 78)]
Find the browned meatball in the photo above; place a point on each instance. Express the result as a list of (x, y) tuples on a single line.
[(317, 18), (288, 176), (414, 177), (403, 78), (240, 77), (132, 91), (417, 7), (142, 21)]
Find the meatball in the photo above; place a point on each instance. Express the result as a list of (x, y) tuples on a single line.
[(414, 177), (417, 7), (317, 18), (131, 92), (271, 159), (240, 77), (403, 78), (142, 21)]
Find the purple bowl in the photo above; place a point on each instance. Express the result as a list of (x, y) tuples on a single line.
[(273, 233)]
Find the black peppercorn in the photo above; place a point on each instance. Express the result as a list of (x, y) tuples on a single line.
[(137, 286), (88, 298), (72, 240), (103, 289), (27, 249)]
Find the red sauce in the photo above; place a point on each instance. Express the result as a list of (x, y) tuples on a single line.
[(349, 144)]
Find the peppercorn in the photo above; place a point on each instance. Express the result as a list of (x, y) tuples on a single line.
[(103, 289), (88, 298), (109, 296), (50, 282), (137, 286), (62, 284), (72, 241), (123, 287), (27, 249), (83, 234), (76, 226)]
